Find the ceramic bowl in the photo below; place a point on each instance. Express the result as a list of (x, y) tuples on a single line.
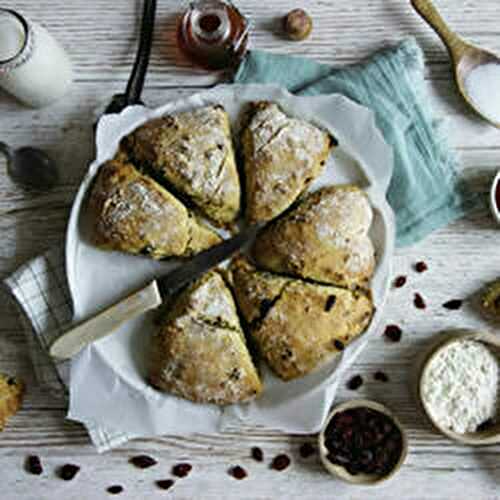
[(341, 472), (495, 210), (489, 436)]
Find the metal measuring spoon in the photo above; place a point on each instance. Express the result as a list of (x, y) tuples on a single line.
[(465, 57), (30, 167)]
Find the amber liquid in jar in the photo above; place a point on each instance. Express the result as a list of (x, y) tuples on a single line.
[(213, 34)]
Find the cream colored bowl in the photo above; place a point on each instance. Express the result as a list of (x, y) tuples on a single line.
[(341, 472)]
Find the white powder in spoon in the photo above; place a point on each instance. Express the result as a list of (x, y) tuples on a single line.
[(483, 88)]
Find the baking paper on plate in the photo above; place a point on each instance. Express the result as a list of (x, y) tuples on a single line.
[(108, 379)]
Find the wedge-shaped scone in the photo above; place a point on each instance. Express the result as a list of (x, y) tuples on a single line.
[(298, 326), (325, 238), (193, 152), (133, 213), (11, 396), (282, 157), (199, 352)]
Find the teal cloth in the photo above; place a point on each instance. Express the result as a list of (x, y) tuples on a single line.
[(425, 192)]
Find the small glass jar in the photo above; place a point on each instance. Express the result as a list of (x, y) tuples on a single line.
[(213, 34), (34, 68)]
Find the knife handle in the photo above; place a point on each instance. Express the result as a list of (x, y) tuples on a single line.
[(105, 322)]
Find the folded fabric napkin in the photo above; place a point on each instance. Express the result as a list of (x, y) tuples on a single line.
[(425, 192)]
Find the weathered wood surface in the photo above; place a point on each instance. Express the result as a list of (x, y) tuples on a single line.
[(462, 257)]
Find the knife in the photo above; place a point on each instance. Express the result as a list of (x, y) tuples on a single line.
[(149, 297)]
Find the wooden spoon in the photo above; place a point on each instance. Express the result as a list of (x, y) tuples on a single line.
[(465, 57)]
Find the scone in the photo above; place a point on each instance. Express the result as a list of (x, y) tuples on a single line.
[(298, 326), (11, 396), (325, 238), (282, 157), (133, 213), (199, 352), (193, 153)]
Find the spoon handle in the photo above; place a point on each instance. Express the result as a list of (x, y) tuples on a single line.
[(455, 45)]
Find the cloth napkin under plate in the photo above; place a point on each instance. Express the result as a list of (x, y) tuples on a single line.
[(425, 192)]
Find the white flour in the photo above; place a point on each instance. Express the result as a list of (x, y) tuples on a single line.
[(483, 88), (460, 386)]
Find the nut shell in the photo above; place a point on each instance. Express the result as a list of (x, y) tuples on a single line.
[(298, 24)]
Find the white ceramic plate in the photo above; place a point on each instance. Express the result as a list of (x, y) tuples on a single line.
[(112, 370)]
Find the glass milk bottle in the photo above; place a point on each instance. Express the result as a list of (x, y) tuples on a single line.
[(33, 66)]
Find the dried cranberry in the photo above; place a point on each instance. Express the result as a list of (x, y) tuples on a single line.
[(34, 465), (257, 454), (330, 302), (355, 383), (421, 267), (381, 376), (338, 345), (143, 461), (238, 472), (453, 304), (393, 333), (115, 489), (165, 484), (68, 471), (181, 470), (306, 450), (280, 462), (400, 281), (419, 302)]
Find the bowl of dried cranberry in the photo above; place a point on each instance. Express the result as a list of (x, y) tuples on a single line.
[(362, 442)]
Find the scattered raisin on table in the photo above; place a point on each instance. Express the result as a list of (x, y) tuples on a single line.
[(419, 302), (400, 281), (143, 461), (421, 267), (257, 454), (181, 470), (68, 471), (115, 489), (306, 450), (381, 376), (238, 472), (393, 333), (453, 305), (34, 465), (355, 383), (280, 462), (165, 484)]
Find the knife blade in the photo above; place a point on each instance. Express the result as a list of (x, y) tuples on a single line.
[(149, 297)]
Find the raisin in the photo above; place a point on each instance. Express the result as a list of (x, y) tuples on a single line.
[(11, 381), (338, 345), (355, 383), (115, 489), (181, 470), (453, 305), (400, 281), (421, 267), (68, 471), (381, 376), (393, 333), (306, 450), (34, 465), (238, 472), (330, 302), (257, 454), (280, 462), (143, 461), (165, 484), (419, 302)]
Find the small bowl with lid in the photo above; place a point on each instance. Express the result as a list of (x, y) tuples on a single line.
[(495, 198), (488, 431), (362, 443)]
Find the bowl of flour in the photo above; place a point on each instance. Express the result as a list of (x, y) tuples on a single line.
[(459, 387)]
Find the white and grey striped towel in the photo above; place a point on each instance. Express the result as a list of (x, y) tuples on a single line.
[(41, 290)]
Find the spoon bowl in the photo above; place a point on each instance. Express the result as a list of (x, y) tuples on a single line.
[(465, 57)]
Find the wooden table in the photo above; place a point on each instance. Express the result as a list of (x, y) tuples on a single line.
[(100, 36)]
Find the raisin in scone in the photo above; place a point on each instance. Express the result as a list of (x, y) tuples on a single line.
[(325, 238), (297, 326), (132, 213), (282, 156), (193, 152), (11, 396), (199, 352)]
